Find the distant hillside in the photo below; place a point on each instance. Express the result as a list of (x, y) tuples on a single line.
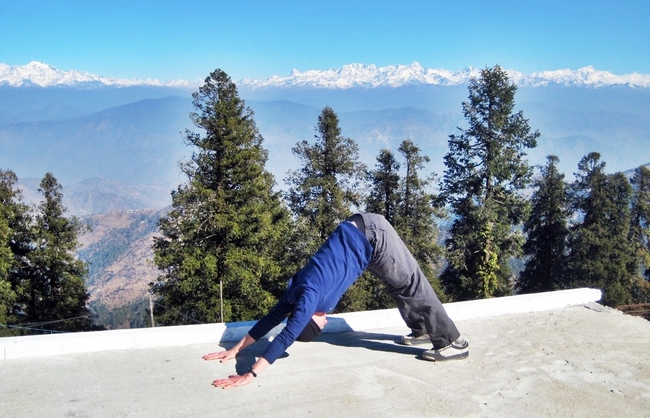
[(614, 121), (99, 196), (119, 254), (137, 143), (110, 153), (33, 103)]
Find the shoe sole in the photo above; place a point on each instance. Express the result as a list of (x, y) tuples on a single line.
[(460, 356), (420, 342)]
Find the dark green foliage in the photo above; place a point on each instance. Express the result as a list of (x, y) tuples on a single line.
[(640, 220), (366, 294), (327, 185), (132, 315), (600, 252), (322, 193), (415, 215), (227, 224), (485, 175), (14, 241), (41, 282), (407, 204), (56, 289), (47, 288), (383, 198), (546, 233), (640, 234), (7, 293), (384, 194), (415, 222)]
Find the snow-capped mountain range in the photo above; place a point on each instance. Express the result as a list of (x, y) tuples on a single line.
[(348, 76), (44, 75), (370, 76)]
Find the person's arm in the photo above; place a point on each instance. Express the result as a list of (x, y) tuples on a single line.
[(235, 379), (257, 331), (261, 364), (261, 328)]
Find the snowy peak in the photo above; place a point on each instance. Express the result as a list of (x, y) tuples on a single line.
[(366, 76), (371, 76), (349, 76), (39, 74), (586, 76)]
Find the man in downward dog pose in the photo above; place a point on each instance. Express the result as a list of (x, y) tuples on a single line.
[(363, 241)]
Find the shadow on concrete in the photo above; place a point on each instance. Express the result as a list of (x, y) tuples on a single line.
[(371, 341), (248, 356), (337, 332), (335, 324)]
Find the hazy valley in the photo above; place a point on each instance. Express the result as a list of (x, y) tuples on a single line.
[(116, 150)]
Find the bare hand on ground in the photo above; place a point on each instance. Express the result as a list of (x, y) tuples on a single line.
[(232, 381), (220, 355)]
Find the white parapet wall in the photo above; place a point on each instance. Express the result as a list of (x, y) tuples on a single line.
[(142, 338)]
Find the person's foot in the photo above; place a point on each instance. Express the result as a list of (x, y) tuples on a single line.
[(413, 339), (457, 350)]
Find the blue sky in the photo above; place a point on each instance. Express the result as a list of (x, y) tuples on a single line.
[(170, 40)]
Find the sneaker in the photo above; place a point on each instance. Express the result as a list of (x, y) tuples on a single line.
[(412, 339), (457, 350)]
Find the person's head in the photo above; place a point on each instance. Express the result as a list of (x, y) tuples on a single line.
[(314, 328)]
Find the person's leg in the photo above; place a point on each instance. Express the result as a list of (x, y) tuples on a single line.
[(412, 319), (405, 282)]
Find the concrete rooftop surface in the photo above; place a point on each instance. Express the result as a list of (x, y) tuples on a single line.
[(557, 354)]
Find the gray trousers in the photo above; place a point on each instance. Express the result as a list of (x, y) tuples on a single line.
[(406, 284)]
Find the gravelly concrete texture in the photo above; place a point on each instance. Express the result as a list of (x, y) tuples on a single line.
[(578, 361)]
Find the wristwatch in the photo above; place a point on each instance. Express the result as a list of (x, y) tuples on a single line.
[(250, 370)]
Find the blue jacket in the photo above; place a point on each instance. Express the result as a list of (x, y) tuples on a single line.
[(317, 287)]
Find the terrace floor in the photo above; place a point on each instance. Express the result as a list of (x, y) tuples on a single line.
[(574, 361)]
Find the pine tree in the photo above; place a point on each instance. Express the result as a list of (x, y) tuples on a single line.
[(16, 225), (407, 203), (323, 192), (640, 220), (326, 187), (384, 195), (227, 225), (485, 175), (546, 233), (56, 296), (416, 222), (622, 268), (10, 213), (600, 253), (640, 234), (7, 294)]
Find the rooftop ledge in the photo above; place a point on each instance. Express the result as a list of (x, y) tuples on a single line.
[(140, 338)]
